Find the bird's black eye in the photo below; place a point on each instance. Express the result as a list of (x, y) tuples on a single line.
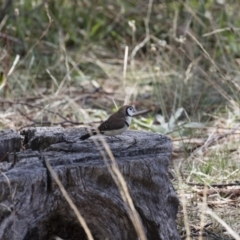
[(130, 111)]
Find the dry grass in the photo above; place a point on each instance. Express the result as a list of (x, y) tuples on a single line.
[(182, 64)]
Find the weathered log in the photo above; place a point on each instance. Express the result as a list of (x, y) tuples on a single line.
[(33, 208), (10, 141)]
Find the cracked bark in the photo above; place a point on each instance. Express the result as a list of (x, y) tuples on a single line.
[(32, 206)]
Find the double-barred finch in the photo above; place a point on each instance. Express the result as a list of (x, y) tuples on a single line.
[(116, 124)]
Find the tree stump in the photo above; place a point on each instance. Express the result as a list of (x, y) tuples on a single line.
[(33, 207)]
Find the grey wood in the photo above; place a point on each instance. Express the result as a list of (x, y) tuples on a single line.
[(33, 208), (10, 141)]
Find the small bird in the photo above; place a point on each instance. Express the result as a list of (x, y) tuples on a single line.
[(117, 123)]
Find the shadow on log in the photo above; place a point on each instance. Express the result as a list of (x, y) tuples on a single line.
[(33, 208)]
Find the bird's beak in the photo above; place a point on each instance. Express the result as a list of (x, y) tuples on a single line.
[(135, 111)]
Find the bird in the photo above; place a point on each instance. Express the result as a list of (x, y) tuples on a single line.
[(116, 124)]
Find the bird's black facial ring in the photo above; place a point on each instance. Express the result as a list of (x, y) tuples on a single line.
[(130, 111)]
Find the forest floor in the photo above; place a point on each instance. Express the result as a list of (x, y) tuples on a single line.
[(67, 73)]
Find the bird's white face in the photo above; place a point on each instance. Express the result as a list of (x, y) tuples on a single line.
[(130, 111)]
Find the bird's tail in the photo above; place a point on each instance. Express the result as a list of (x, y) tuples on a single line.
[(88, 135)]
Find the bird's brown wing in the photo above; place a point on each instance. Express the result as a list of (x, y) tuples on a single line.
[(112, 123)]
